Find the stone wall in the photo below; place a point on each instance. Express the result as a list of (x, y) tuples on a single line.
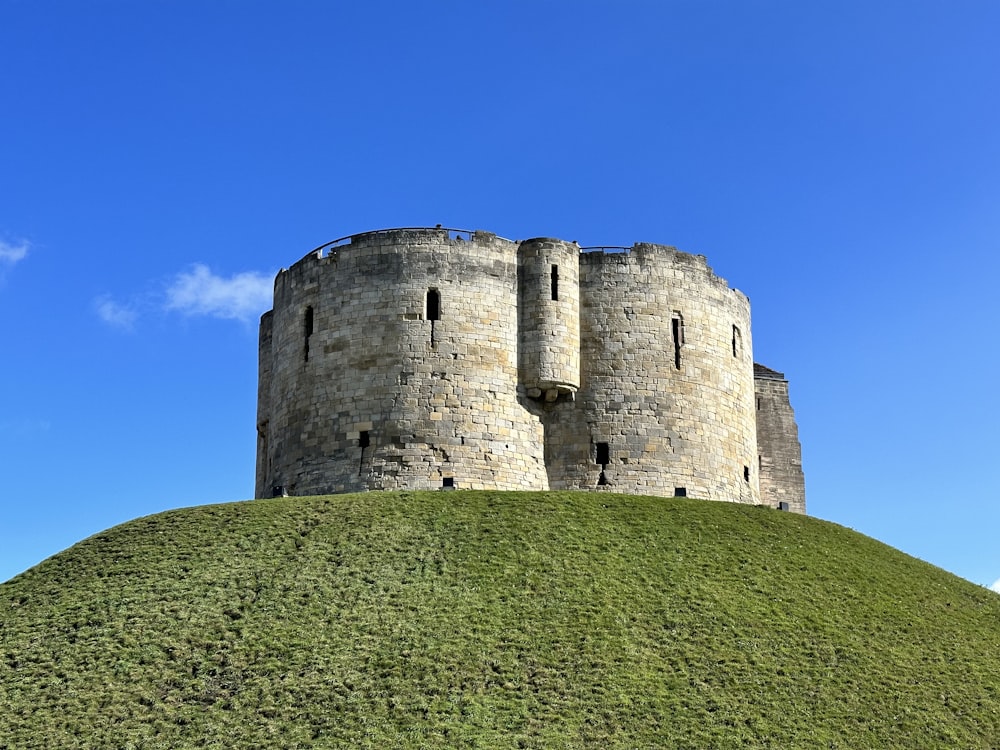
[(410, 378), (664, 387), (429, 358), (781, 476), (549, 317), (265, 358)]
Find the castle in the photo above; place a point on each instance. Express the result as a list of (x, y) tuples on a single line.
[(437, 358)]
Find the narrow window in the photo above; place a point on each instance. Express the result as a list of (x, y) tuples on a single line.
[(433, 309), (308, 331), (433, 304), (737, 342), (758, 404), (746, 473), (677, 330), (680, 492), (603, 454), (363, 442), (555, 282)]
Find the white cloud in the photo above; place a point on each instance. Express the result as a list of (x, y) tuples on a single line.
[(12, 253), (995, 586), (200, 292), (114, 313)]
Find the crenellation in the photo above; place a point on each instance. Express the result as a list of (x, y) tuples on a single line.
[(410, 358)]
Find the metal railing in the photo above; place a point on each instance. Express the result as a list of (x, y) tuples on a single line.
[(465, 235)]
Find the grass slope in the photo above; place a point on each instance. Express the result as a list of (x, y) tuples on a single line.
[(493, 620)]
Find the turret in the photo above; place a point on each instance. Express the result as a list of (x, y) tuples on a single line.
[(549, 317)]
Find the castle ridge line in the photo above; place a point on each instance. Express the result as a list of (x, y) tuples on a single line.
[(421, 358)]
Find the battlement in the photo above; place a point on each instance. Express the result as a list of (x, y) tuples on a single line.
[(423, 357)]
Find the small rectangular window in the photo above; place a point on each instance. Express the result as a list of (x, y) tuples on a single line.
[(433, 310), (555, 282), (433, 304), (746, 473), (680, 492), (448, 483), (364, 440), (603, 454)]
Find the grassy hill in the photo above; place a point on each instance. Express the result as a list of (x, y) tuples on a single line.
[(494, 620)]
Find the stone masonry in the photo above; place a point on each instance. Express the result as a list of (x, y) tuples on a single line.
[(781, 477), (436, 358)]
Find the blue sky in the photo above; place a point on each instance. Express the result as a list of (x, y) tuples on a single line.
[(159, 161)]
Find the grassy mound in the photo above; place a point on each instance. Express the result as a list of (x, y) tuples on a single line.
[(493, 620)]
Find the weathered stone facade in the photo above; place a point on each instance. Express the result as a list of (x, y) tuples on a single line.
[(430, 358), (781, 477)]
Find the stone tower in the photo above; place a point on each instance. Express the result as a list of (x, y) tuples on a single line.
[(549, 317), (435, 358), (781, 477)]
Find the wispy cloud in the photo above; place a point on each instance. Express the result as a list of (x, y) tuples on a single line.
[(13, 252), (196, 291), (995, 586), (200, 292), (115, 314)]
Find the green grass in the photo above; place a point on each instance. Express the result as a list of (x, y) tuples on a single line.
[(494, 620)]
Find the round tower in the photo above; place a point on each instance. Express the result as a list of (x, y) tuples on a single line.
[(390, 362), (666, 403), (549, 317)]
